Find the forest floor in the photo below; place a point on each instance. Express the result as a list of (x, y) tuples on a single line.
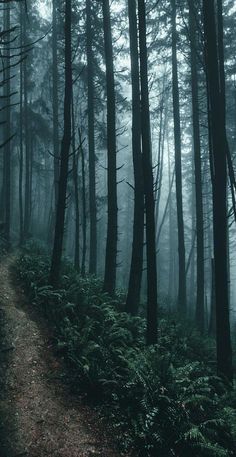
[(40, 417)]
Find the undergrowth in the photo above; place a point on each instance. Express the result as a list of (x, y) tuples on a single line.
[(164, 400), (7, 417)]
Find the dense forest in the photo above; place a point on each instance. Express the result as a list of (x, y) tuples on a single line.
[(118, 225)]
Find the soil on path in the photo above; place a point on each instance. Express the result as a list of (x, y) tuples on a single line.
[(41, 417)]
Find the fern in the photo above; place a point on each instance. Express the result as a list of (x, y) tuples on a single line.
[(164, 400)]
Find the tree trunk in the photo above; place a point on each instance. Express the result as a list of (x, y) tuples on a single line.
[(219, 184), (56, 146), (91, 143), (65, 149), (161, 147), (84, 220), (170, 231), (212, 323), (7, 134), (148, 182), (198, 171), (182, 302), (135, 277), (21, 148), (32, 145), (27, 202), (111, 243), (76, 192)]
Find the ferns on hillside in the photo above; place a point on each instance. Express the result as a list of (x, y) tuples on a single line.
[(164, 400)]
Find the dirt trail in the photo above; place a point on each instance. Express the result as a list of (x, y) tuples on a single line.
[(43, 419)]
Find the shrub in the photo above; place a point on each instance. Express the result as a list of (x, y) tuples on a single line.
[(165, 399)]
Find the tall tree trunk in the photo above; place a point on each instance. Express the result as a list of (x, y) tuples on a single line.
[(111, 244), (7, 133), (135, 277), (148, 182), (161, 147), (182, 302), (170, 231), (219, 184), (31, 174), (65, 149), (212, 323), (84, 212), (191, 259), (91, 143), (76, 192), (56, 145), (21, 148), (198, 171), (27, 202)]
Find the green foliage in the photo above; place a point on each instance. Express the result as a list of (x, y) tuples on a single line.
[(163, 400)]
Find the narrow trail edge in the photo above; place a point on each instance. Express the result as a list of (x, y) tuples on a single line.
[(45, 419)]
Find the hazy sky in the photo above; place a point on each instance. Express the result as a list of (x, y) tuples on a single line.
[(44, 7)]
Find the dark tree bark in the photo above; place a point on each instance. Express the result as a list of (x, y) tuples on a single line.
[(111, 244), (65, 149), (7, 135), (21, 147), (27, 201), (197, 171), (182, 302), (84, 212), (135, 277), (219, 185), (148, 182), (161, 144), (212, 323), (91, 143), (76, 193), (56, 145), (32, 147), (190, 263), (171, 233)]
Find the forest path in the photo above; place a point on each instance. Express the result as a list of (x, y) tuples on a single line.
[(40, 415)]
